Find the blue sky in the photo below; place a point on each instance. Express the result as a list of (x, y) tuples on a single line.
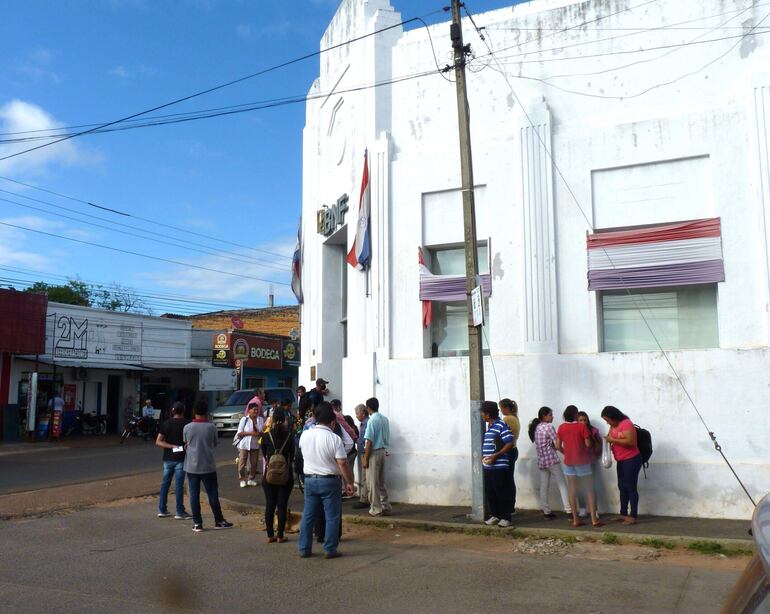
[(236, 179)]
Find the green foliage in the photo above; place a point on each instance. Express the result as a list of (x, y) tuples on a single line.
[(710, 547), (657, 543), (610, 538), (77, 292), (74, 292)]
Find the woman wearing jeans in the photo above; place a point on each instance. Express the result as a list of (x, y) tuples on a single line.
[(622, 437), (278, 440)]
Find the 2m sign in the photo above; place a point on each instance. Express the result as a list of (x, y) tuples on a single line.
[(70, 337)]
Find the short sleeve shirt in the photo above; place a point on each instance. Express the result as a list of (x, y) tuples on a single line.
[(619, 451), (378, 431), (573, 436), (321, 449), (172, 430), (497, 436), (545, 435)]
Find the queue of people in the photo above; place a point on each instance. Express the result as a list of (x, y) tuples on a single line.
[(567, 457)]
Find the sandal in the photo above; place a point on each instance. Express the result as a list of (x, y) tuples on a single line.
[(280, 540), (629, 521), (598, 523), (271, 540), (577, 523)]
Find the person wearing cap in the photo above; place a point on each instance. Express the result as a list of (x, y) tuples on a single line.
[(498, 443), (316, 395)]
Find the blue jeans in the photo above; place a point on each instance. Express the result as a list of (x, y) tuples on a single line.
[(320, 493), (212, 491), (175, 468)]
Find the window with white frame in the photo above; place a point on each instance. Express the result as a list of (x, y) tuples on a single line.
[(675, 318), (449, 325), (656, 285)]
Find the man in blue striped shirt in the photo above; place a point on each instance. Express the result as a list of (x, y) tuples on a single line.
[(498, 442)]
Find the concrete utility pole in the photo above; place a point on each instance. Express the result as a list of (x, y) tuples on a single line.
[(472, 279)]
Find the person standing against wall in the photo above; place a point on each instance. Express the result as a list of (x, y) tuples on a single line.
[(622, 438), (363, 419), (170, 438), (510, 411), (543, 435), (377, 438), (498, 443)]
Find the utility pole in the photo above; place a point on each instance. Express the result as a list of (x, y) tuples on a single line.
[(475, 358)]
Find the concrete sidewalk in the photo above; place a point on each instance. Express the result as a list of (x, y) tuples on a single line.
[(733, 533)]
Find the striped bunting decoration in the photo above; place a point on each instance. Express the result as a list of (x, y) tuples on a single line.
[(674, 254), (447, 288)]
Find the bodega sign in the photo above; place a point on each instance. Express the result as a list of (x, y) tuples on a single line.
[(252, 350)]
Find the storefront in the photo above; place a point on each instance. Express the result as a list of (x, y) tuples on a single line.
[(262, 361)]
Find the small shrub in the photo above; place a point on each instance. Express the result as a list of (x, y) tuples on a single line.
[(652, 542), (610, 538), (706, 547)]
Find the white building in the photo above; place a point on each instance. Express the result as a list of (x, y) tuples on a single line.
[(653, 113)]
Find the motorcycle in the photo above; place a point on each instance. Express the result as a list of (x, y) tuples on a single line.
[(139, 426), (87, 424)]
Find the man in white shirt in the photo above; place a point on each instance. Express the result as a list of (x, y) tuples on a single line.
[(325, 460)]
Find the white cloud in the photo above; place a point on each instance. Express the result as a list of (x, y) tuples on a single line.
[(20, 116), (19, 248), (36, 66), (230, 289)]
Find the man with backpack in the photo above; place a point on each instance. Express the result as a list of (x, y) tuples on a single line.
[(324, 463)]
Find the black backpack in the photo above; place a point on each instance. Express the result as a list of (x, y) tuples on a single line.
[(644, 443)]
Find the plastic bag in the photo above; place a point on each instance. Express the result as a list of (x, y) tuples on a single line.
[(606, 455)]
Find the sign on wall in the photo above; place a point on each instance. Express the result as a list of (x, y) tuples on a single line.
[(252, 351), (291, 354), (95, 338), (329, 218)]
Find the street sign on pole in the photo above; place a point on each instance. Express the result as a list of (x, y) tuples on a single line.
[(478, 306)]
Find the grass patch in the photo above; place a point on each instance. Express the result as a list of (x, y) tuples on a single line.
[(610, 538), (711, 547), (653, 542)]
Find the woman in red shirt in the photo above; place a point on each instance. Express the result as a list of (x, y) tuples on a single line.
[(573, 439), (622, 437)]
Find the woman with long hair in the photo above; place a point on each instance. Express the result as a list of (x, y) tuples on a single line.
[(543, 435), (622, 438), (510, 411), (279, 440), (596, 450), (573, 439)]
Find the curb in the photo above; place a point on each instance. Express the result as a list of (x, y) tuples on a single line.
[(513, 531)]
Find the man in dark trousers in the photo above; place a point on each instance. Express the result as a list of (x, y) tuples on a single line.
[(200, 438), (170, 438), (325, 461)]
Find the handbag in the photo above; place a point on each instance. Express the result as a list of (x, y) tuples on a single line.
[(606, 455)]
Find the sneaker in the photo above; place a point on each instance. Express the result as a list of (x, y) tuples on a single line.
[(223, 525), (198, 528), (251, 483), (504, 523), (582, 512), (492, 520), (243, 483), (163, 514), (183, 516), (549, 516)]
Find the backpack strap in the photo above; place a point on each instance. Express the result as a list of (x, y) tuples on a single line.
[(273, 442)]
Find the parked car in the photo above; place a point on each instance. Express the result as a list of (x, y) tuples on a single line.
[(226, 416)]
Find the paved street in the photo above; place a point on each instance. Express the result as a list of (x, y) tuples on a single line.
[(121, 558), (32, 466)]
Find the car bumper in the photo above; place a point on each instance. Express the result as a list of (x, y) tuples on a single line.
[(225, 425)]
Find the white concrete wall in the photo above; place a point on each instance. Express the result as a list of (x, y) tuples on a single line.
[(706, 130)]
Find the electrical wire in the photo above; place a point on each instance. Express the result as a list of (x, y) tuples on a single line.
[(217, 87), (140, 255), (166, 240), (663, 352)]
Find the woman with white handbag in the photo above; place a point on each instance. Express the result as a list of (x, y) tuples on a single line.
[(247, 441)]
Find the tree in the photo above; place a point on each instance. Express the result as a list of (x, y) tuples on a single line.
[(74, 292), (77, 292)]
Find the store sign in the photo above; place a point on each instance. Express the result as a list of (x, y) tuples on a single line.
[(220, 358), (101, 339), (291, 354), (329, 218), (253, 351)]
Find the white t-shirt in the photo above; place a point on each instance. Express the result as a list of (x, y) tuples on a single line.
[(250, 442), (321, 449)]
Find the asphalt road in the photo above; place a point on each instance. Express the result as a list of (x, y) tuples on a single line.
[(33, 466), (123, 559)]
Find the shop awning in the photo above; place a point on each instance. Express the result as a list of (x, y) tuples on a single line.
[(87, 364)]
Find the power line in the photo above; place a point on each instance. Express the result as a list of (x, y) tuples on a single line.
[(547, 150), (166, 241), (125, 251), (217, 87), (135, 289)]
